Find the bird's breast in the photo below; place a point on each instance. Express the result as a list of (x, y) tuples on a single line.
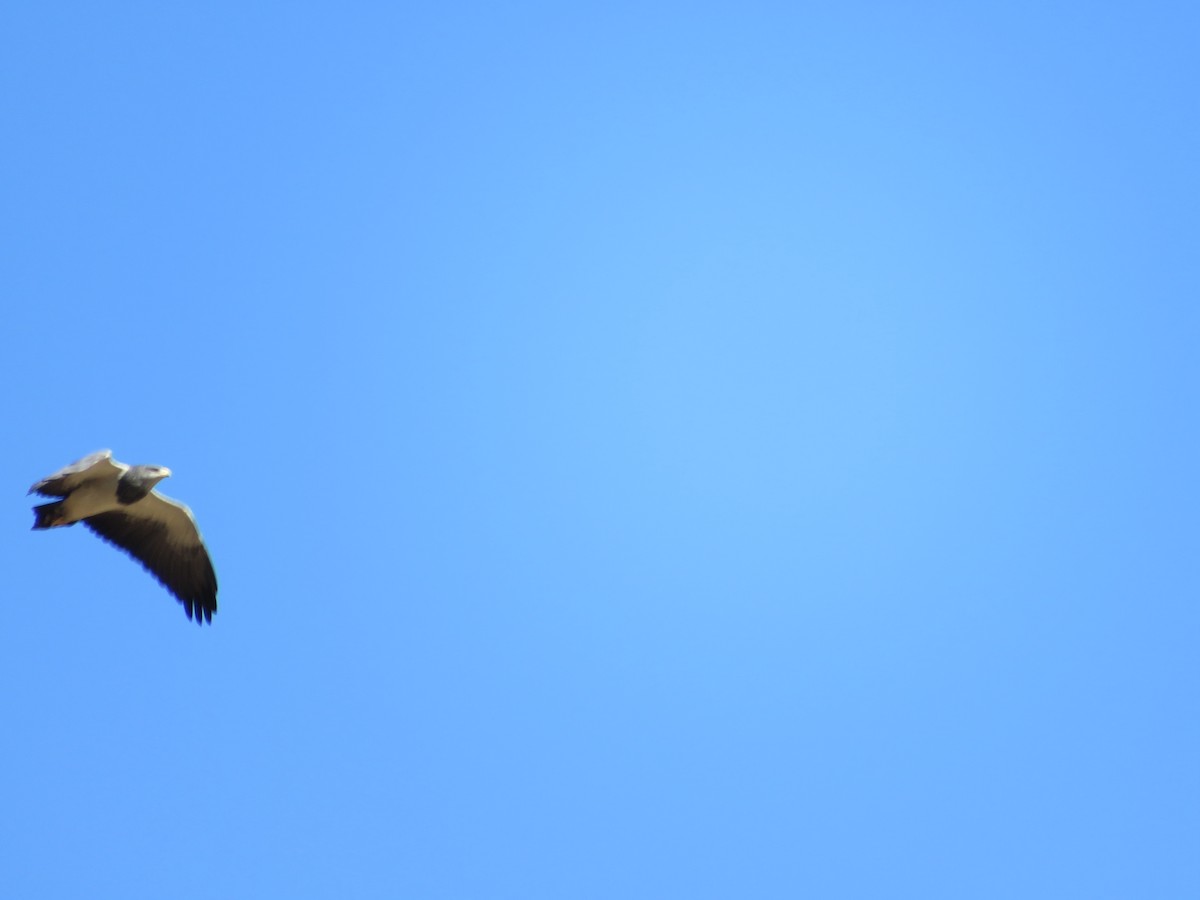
[(90, 499)]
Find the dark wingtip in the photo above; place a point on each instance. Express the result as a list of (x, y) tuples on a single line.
[(198, 613)]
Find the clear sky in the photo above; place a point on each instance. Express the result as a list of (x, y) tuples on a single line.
[(648, 450)]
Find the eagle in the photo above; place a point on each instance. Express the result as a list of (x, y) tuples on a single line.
[(119, 503)]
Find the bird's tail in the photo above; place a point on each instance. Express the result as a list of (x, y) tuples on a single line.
[(48, 515)]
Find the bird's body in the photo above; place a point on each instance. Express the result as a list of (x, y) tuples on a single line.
[(119, 503), (89, 499)]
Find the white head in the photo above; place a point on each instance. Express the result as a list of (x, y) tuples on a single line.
[(157, 473)]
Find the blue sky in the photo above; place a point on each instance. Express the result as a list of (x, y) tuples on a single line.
[(648, 451)]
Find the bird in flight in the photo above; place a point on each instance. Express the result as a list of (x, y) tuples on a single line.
[(119, 503)]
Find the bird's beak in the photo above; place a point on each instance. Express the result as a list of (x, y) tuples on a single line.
[(166, 472)]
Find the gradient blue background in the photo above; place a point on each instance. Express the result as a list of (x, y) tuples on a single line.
[(648, 450)]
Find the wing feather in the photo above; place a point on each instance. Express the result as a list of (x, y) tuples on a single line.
[(96, 465), (161, 534)]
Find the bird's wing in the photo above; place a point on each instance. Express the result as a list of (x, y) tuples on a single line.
[(66, 479), (161, 534)]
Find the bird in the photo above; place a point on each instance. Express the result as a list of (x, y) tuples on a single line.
[(118, 502)]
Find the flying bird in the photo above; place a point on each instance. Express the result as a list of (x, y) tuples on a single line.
[(119, 503)]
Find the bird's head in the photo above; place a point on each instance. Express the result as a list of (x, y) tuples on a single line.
[(151, 475)]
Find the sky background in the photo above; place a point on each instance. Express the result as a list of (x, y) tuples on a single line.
[(647, 450)]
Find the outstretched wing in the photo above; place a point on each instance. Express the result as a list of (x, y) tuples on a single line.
[(161, 534), (66, 479)]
